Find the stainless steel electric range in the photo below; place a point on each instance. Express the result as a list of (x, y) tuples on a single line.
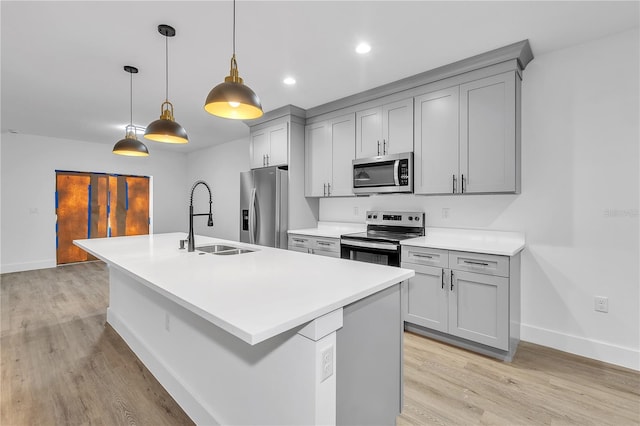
[(381, 242)]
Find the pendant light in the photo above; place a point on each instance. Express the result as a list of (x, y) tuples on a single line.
[(166, 129), (232, 98), (130, 145)]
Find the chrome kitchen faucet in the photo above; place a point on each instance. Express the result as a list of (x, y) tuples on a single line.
[(191, 239)]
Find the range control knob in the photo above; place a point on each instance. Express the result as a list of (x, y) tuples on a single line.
[(368, 216), (410, 217), (417, 218), (375, 216)]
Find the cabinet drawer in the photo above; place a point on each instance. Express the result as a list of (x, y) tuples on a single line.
[(482, 263), (327, 244), (300, 241), (425, 256), (320, 252)]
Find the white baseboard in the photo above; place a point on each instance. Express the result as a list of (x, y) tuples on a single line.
[(27, 266), (165, 375), (590, 348)]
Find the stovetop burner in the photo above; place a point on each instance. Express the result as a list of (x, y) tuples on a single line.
[(390, 227)]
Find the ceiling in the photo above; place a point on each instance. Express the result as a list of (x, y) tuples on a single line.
[(62, 61)]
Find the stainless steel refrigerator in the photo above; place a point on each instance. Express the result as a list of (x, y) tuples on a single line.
[(264, 201)]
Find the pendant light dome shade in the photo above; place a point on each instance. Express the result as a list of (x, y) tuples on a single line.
[(166, 129), (232, 98), (130, 145)]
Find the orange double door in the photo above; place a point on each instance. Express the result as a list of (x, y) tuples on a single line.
[(97, 205)]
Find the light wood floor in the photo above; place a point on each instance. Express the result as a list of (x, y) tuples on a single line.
[(60, 365)]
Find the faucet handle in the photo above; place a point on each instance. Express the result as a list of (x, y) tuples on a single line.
[(182, 244)]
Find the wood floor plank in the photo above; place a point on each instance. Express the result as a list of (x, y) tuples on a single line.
[(450, 386), (61, 365)]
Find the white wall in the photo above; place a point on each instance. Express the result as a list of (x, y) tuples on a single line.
[(220, 167), (579, 200), (27, 236)]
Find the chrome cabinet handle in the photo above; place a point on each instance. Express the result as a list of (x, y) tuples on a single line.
[(378, 147), (323, 243), (453, 189), (324, 190), (267, 159), (384, 147), (442, 279), (476, 263), (329, 189), (462, 180), (298, 240), (422, 255), (451, 280)]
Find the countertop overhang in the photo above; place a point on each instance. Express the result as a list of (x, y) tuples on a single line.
[(253, 296), (504, 243)]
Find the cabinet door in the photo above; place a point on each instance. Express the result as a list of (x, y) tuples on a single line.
[(397, 127), (488, 134), (278, 143), (317, 159), (259, 148), (479, 308), (426, 297), (343, 135), (369, 133), (436, 142)]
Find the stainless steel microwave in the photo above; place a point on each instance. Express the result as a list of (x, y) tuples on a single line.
[(383, 174)]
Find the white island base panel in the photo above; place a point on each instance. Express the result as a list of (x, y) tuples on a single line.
[(342, 368)]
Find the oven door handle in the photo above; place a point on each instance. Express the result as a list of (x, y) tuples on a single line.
[(370, 245)]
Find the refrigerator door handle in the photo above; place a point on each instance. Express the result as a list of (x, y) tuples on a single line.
[(252, 216), (278, 195)]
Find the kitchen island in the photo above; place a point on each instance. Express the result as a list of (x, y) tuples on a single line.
[(263, 337)]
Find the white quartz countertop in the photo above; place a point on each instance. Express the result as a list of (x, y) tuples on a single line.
[(253, 296), (470, 240), (330, 229)]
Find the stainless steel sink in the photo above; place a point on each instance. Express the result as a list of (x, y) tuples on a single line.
[(215, 248), (222, 249), (235, 251)]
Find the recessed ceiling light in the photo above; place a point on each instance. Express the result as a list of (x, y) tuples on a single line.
[(363, 48), (289, 81)]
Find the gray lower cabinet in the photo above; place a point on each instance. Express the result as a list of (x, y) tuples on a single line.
[(323, 246), (469, 299)]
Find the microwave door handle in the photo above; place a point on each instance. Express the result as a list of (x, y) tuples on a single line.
[(396, 178)]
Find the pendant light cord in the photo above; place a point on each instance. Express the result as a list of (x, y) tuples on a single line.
[(234, 27), (131, 99), (166, 66)]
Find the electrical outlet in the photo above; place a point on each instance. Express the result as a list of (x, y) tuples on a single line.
[(446, 212), (601, 304), (167, 321), (327, 363)]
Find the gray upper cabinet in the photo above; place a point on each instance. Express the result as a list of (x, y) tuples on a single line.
[(467, 137), (386, 129), (269, 146), (329, 151), (437, 150), (488, 134)]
